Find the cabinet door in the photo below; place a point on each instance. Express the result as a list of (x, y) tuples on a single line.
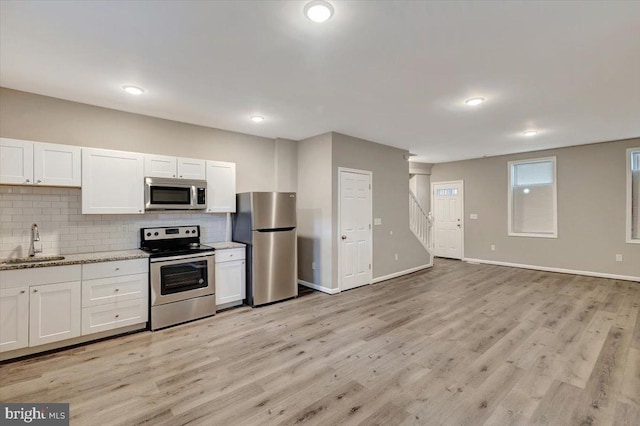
[(190, 168), (54, 312), (160, 166), (56, 165), (112, 182), (230, 281), (16, 161), (14, 318), (221, 187)]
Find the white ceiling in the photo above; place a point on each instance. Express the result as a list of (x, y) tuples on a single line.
[(393, 72)]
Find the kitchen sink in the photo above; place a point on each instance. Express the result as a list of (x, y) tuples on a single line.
[(19, 260)]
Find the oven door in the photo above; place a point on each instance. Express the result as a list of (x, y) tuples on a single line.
[(181, 277)]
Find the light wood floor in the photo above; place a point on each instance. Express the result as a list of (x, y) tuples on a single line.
[(458, 344)]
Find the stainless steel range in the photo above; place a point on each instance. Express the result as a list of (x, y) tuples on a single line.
[(181, 275)]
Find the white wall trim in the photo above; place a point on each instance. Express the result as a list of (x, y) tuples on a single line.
[(401, 273), (319, 287), (510, 165), (551, 269), (630, 238)]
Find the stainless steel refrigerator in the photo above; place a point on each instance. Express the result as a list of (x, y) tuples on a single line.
[(266, 223)]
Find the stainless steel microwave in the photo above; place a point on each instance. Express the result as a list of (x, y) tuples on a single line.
[(174, 194)]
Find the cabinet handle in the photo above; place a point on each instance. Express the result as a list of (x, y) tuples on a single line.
[(173, 175), (117, 269), (38, 181), (35, 290), (28, 181), (117, 315), (180, 175), (139, 211), (22, 291), (117, 289)]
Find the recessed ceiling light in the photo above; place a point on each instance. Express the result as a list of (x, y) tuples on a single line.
[(530, 133), (133, 90), (474, 101), (256, 118), (318, 10)]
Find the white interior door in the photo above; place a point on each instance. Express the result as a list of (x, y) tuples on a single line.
[(448, 227), (355, 229)]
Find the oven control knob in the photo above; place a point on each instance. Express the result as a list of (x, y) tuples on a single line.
[(200, 281), (155, 233), (193, 231), (148, 234), (187, 231)]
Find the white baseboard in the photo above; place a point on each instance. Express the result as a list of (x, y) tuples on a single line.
[(401, 273), (550, 269), (319, 287)]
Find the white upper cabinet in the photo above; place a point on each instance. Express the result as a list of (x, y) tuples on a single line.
[(163, 166), (38, 163), (191, 168), (16, 161), (221, 187), (112, 182), (56, 165)]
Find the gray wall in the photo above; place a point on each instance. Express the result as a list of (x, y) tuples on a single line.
[(286, 165), (390, 203), (45, 119), (591, 210), (314, 210)]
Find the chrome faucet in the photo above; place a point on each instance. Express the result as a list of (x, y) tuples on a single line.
[(35, 236)]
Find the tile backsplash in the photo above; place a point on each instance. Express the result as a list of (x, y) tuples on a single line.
[(65, 230)]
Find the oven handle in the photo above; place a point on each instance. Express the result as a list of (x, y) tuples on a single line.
[(182, 257)]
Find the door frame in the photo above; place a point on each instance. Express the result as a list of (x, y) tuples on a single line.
[(433, 197), (338, 233)]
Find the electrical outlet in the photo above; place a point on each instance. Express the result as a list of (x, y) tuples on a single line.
[(473, 216), (493, 247), (618, 258), (313, 265), (377, 221), (396, 256)]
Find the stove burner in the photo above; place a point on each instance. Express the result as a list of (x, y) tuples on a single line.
[(172, 241)]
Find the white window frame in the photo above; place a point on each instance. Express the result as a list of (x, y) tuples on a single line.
[(510, 165), (630, 238)]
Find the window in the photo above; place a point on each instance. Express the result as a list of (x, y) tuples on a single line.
[(633, 195), (533, 202), (450, 191)]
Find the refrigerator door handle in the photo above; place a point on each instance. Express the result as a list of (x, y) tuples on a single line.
[(277, 229)]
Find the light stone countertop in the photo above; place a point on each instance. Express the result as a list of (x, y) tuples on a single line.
[(225, 245), (75, 259)]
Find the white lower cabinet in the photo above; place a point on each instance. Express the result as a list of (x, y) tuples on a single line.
[(230, 276), (14, 318), (54, 312), (52, 304), (114, 294), (114, 315)]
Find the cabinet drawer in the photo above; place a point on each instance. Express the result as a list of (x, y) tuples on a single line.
[(114, 315), (114, 289), (38, 276), (115, 269), (229, 254)]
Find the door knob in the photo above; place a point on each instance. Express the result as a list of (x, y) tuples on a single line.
[(344, 237)]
